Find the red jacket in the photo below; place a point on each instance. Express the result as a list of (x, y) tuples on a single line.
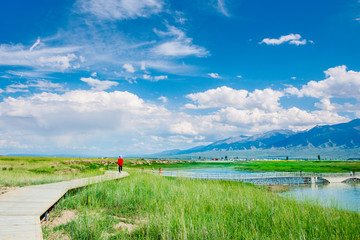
[(120, 161)]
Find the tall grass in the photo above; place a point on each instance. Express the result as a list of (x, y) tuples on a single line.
[(20, 171), (197, 209)]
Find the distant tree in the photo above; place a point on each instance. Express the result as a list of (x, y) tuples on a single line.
[(199, 158), (319, 157), (225, 157), (287, 158)]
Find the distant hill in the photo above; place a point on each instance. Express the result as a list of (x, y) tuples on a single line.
[(344, 136)]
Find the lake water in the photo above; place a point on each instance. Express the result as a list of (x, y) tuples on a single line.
[(339, 195)]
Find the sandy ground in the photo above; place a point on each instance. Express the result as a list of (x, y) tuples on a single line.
[(65, 217)]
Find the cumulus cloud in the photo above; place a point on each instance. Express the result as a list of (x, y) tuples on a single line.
[(258, 120), (214, 75), (266, 99), (183, 127), (129, 68), (89, 120), (291, 39), (98, 85), (339, 82), (80, 119), (120, 9), (179, 45)]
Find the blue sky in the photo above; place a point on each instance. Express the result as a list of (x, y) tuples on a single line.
[(116, 77)]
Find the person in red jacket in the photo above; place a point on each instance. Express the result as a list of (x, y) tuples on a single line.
[(120, 163)]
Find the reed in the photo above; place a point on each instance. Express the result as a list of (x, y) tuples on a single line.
[(169, 208)]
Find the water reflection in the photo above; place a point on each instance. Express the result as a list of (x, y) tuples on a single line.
[(339, 195)]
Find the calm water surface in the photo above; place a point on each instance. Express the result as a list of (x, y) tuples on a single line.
[(339, 195)]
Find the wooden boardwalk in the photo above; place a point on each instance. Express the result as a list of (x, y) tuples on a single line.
[(21, 209)]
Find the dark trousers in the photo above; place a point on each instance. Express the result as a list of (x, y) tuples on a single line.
[(120, 168)]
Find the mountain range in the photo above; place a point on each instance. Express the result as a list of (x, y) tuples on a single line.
[(343, 135)]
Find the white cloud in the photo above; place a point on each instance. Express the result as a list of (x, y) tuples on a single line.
[(162, 77), (325, 104), (129, 68), (89, 120), (82, 120), (147, 77), (98, 85), (183, 127), (120, 9), (293, 78), (94, 74), (35, 44), (43, 85), (222, 8), (214, 75), (58, 62), (180, 49), (46, 58), (266, 99), (181, 20), (338, 83), (179, 17), (154, 78), (143, 65), (258, 120), (239, 76), (291, 39), (163, 99), (179, 44)]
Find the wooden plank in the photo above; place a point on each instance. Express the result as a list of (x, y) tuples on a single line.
[(20, 210)]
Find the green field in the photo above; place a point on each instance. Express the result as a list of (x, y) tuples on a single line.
[(157, 207), (21, 171), (305, 166), (168, 208)]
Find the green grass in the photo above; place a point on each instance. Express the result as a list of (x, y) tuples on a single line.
[(296, 166), (21, 171), (196, 209)]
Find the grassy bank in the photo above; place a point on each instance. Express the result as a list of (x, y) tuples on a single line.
[(21, 171), (166, 208), (296, 166)]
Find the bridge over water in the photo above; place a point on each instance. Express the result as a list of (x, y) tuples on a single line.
[(270, 178)]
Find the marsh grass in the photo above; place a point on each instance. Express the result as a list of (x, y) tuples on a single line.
[(21, 171), (198, 209)]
